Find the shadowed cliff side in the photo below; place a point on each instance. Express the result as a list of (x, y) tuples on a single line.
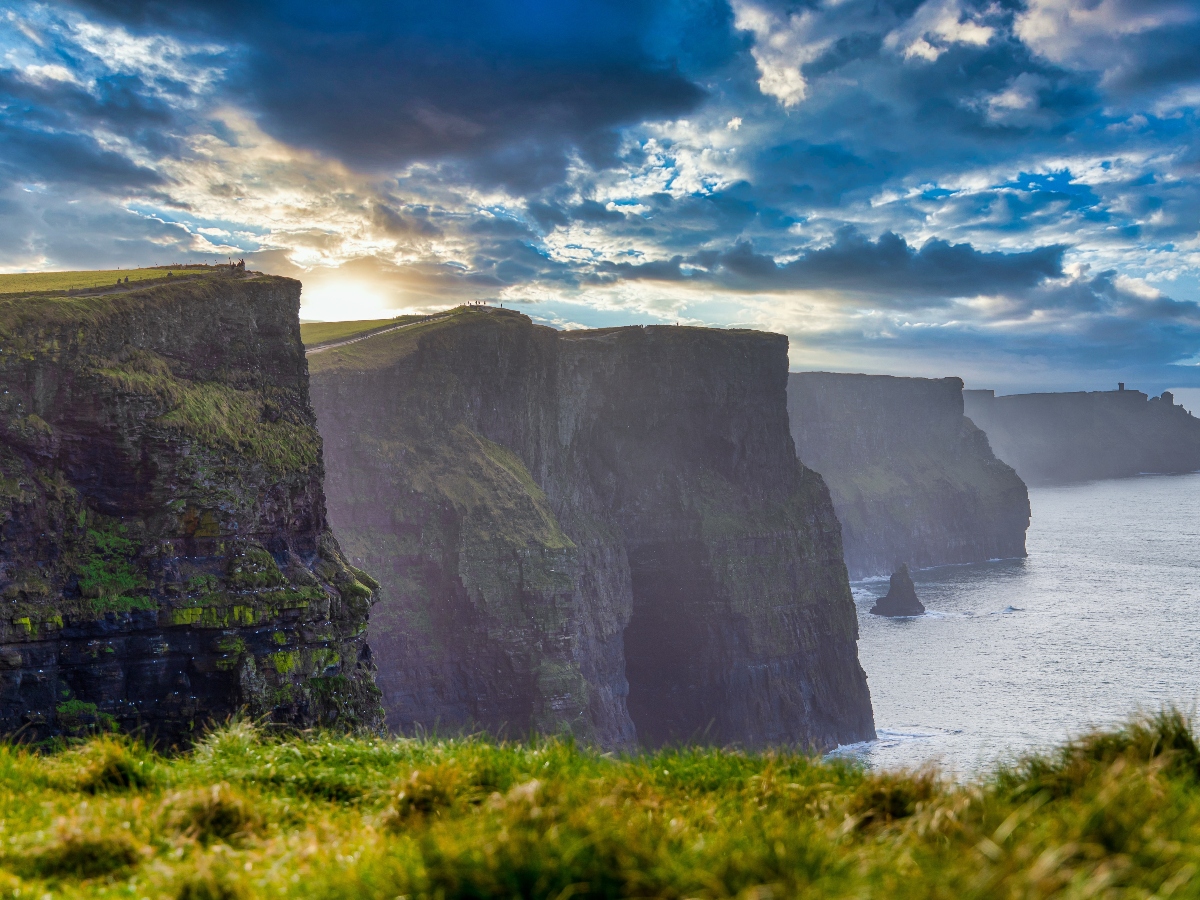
[(912, 480), (601, 531), (1060, 438), (164, 554)]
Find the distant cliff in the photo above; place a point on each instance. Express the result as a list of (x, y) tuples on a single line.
[(912, 480), (601, 531), (1057, 438), (164, 554)]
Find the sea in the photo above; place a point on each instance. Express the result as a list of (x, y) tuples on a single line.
[(1099, 622)]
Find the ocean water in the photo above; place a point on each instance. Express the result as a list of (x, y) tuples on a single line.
[(1101, 620)]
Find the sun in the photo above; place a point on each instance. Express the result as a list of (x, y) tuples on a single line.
[(343, 300)]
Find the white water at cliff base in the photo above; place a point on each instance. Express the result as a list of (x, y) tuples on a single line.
[(1101, 620)]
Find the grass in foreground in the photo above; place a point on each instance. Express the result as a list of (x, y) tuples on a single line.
[(243, 815)]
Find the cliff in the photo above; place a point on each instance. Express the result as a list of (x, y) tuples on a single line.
[(605, 532), (912, 480), (164, 553), (1080, 436)]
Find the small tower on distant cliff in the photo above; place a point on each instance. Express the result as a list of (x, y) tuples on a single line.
[(901, 598)]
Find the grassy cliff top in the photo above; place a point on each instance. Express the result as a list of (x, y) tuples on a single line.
[(316, 334), (345, 345), (61, 282), (52, 298), (243, 815), (384, 344)]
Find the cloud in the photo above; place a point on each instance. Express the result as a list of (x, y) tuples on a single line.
[(35, 157), (513, 92), (891, 268), (1136, 44), (893, 182), (888, 272), (934, 27)]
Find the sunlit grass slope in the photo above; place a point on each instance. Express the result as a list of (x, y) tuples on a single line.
[(30, 282), (243, 815), (324, 332)]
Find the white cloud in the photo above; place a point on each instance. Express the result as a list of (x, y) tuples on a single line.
[(781, 46), (43, 74), (154, 58), (1085, 34), (934, 27), (1019, 104)]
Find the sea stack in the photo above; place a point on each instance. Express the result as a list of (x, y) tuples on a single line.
[(901, 598)]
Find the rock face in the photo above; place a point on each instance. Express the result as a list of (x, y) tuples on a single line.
[(901, 598), (1059, 438), (606, 532), (164, 553), (911, 478)]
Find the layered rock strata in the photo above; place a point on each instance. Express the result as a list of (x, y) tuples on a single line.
[(165, 558), (605, 532), (913, 481), (1082, 436)]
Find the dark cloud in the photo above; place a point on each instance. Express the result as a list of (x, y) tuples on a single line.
[(413, 222), (66, 159), (512, 88), (47, 131), (118, 101), (938, 270), (888, 270)]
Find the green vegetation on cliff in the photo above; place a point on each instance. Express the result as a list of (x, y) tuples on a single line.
[(30, 282), (164, 555), (316, 333), (244, 815)]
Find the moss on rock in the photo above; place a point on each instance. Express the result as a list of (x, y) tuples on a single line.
[(161, 481)]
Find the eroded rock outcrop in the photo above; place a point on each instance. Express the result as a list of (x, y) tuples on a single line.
[(911, 478), (164, 554), (601, 531), (1081, 436), (901, 599)]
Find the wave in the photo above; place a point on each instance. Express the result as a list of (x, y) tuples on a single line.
[(890, 737)]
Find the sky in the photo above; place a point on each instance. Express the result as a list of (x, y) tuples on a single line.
[(1003, 190)]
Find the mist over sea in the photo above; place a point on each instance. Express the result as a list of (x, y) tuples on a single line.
[(1103, 618)]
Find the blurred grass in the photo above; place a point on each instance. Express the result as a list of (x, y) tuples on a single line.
[(29, 282), (1114, 814)]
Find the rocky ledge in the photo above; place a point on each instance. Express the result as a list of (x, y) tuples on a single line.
[(164, 553)]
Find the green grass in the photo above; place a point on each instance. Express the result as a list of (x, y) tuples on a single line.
[(31, 282), (313, 333), (390, 347), (246, 815)]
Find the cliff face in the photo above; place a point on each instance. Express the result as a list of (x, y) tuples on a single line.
[(912, 480), (1058, 438), (164, 554), (600, 531)]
